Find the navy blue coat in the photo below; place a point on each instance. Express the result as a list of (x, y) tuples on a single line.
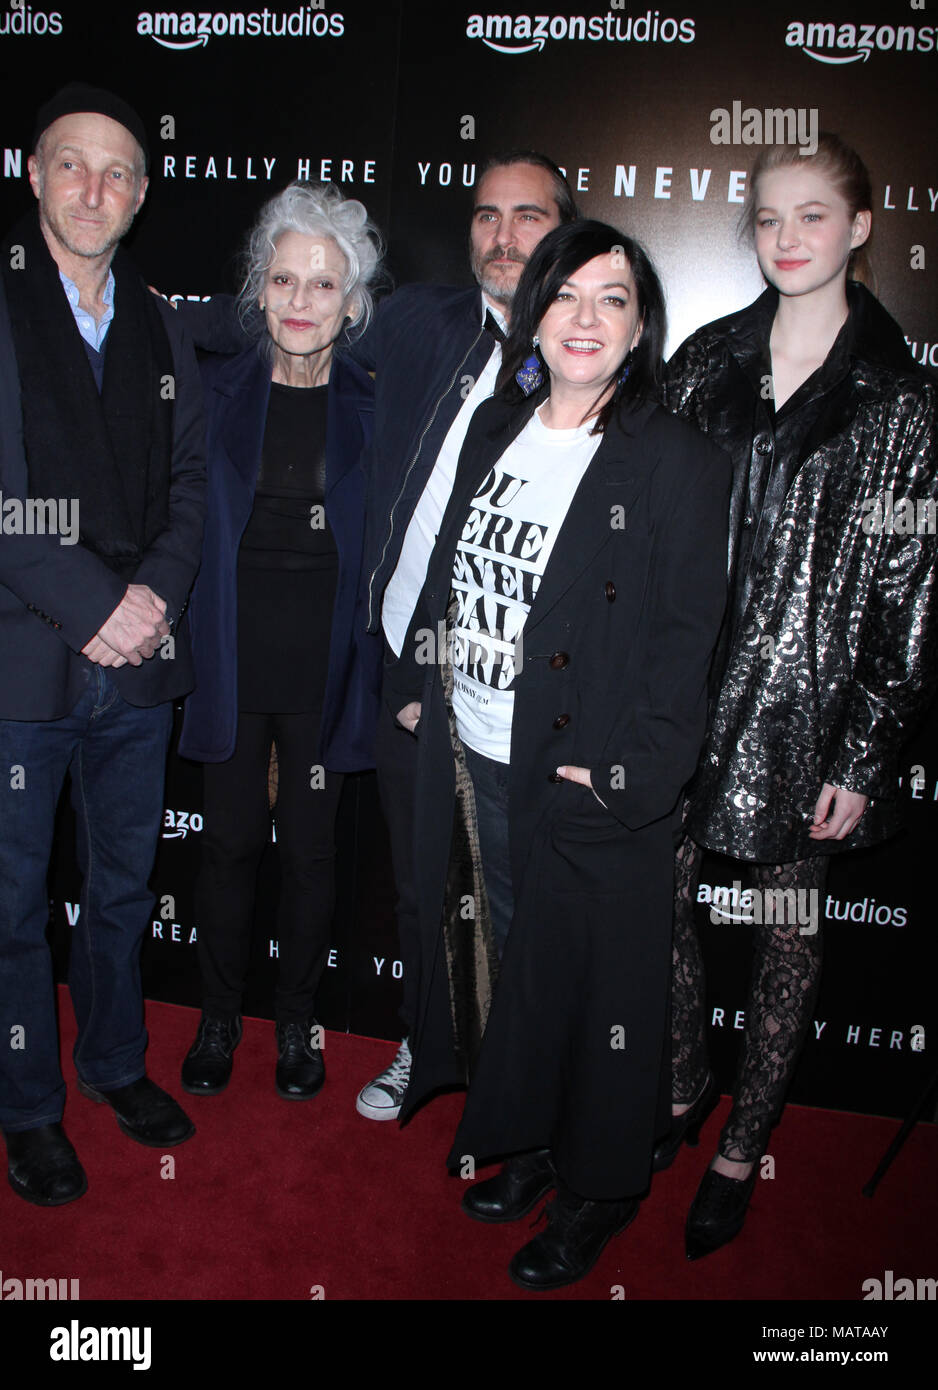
[(426, 344), (237, 391), (54, 598)]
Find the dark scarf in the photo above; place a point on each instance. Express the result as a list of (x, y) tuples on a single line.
[(111, 451)]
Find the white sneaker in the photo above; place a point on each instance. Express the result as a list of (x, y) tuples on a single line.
[(382, 1098)]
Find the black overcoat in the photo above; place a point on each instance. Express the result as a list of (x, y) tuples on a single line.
[(54, 597), (616, 651)]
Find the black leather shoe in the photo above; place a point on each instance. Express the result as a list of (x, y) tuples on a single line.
[(718, 1212), (300, 1068), (43, 1166), (685, 1129), (577, 1233), (145, 1113), (523, 1180), (207, 1068)]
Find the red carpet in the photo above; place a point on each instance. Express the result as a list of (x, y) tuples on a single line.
[(272, 1198)]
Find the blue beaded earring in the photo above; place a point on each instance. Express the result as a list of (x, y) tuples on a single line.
[(529, 375), (624, 374)]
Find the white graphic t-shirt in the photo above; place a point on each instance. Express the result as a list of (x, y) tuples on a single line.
[(506, 541), (403, 590)]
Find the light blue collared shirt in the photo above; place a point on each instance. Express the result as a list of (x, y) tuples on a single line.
[(93, 333)]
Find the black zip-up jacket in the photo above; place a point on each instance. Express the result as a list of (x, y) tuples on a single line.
[(426, 347)]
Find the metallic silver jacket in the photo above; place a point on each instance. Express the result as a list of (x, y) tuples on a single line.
[(830, 646)]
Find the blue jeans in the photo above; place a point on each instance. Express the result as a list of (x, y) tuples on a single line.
[(490, 787), (117, 757)]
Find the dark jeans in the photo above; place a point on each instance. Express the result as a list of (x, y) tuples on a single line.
[(396, 760), (117, 757), (237, 828), (490, 786)]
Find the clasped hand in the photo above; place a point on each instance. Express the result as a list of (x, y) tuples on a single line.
[(133, 631)]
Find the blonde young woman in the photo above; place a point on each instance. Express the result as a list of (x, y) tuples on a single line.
[(827, 652)]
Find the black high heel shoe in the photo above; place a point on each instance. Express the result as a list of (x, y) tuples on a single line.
[(718, 1212), (685, 1128)]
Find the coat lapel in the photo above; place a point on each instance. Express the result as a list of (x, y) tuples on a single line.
[(348, 420), (246, 380), (616, 477), (480, 452)]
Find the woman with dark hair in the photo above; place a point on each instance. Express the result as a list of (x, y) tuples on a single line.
[(827, 653), (555, 674), (280, 649)]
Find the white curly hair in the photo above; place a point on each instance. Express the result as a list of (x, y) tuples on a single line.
[(315, 210)]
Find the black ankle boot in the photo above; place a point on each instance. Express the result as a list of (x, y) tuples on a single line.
[(207, 1067), (718, 1212), (685, 1129), (300, 1068), (577, 1232), (523, 1180)]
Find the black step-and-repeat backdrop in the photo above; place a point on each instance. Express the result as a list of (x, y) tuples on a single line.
[(655, 114)]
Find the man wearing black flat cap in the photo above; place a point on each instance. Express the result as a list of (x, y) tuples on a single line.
[(102, 478)]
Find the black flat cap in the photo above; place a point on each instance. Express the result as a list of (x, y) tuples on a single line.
[(79, 96)]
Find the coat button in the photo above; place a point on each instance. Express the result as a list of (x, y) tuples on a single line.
[(763, 444), (610, 591), (554, 777), (558, 661), (561, 721), (747, 519)]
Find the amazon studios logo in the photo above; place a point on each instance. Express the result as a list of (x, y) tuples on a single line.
[(853, 43), (525, 33), (171, 29)]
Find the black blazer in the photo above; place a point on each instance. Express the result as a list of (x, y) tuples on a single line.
[(631, 595), (54, 598)]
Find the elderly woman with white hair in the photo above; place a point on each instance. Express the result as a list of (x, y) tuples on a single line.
[(280, 658)]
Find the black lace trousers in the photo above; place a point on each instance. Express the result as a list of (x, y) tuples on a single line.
[(786, 969)]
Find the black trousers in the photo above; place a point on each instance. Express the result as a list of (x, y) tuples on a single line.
[(237, 827), (396, 759)]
